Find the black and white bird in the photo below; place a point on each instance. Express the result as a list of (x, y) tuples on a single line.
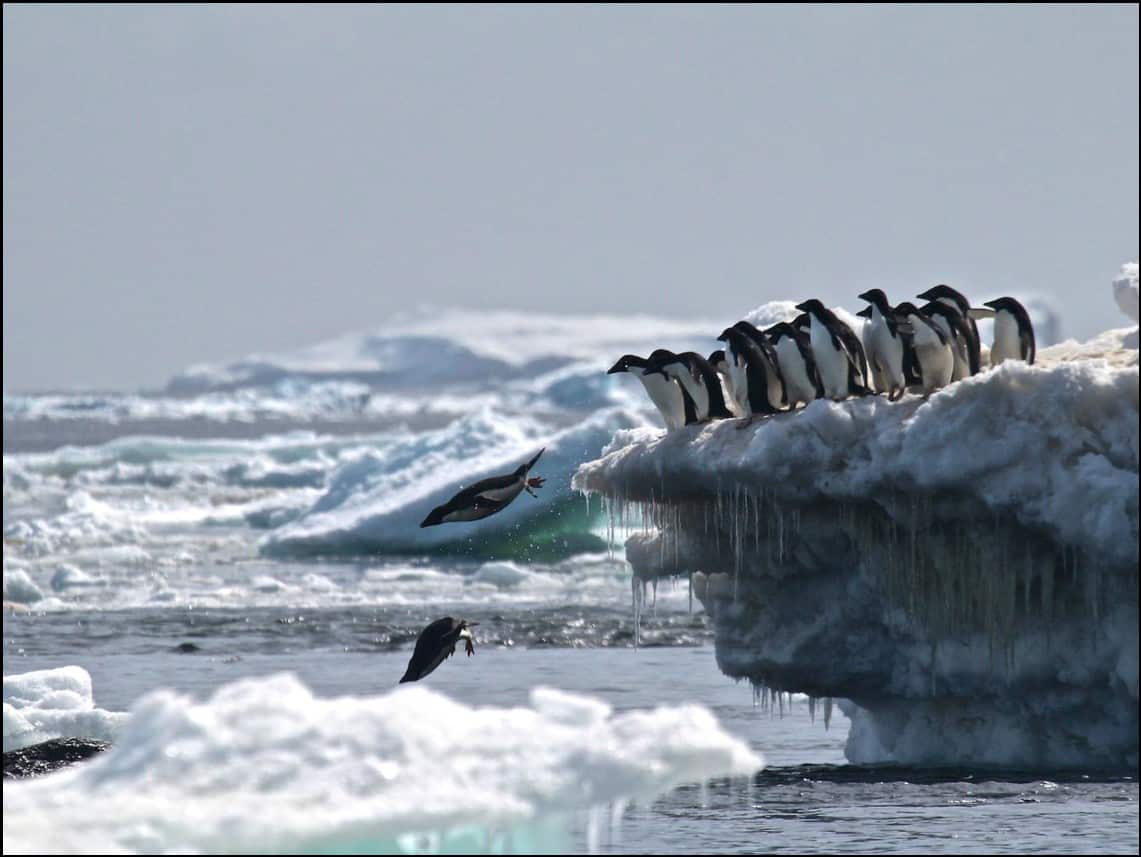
[(933, 349), (884, 344), (666, 394), (720, 364), (797, 366), (755, 380), (699, 380), (946, 295), (436, 643), (1013, 332), (838, 351), (486, 497), (957, 331)]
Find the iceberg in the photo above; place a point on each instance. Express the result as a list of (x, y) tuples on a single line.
[(57, 703), (265, 767), (960, 572)]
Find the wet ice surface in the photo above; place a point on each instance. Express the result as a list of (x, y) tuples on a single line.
[(806, 800)]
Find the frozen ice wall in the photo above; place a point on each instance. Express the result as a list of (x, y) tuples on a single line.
[(961, 571)]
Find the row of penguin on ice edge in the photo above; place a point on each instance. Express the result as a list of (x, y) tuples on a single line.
[(816, 356)]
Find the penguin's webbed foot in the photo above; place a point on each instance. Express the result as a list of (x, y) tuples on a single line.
[(469, 646), (533, 482)]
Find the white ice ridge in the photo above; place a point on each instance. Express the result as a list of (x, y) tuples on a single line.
[(57, 703), (265, 767), (376, 502), (1125, 289)]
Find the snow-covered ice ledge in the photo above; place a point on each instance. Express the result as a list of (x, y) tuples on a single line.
[(961, 571)]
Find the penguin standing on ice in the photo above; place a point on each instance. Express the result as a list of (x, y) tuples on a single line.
[(957, 331), (839, 355), (774, 380), (944, 294), (933, 350), (486, 497), (665, 393), (884, 344), (720, 365), (699, 380), (797, 365), (436, 643), (758, 392), (1013, 332)]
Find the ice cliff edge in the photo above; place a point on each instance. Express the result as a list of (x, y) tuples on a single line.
[(961, 571)]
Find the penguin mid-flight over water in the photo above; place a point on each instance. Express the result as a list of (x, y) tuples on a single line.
[(486, 497), (436, 643)]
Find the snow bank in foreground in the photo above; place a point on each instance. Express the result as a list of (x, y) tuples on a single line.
[(376, 503), (264, 767), (47, 704)]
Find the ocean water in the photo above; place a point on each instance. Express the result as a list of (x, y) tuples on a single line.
[(243, 525)]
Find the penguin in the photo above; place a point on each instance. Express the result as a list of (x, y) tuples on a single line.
[(436, 643), (486, 497), (775, 382), (949, 296), (665, 393), (1013, 332), (721, 367), (839, 355), (797, 365), (954, 327), (751, 370), (699, 380), (884, 345), (932, 348)]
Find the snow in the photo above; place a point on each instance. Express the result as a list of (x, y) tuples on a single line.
[(19, 587), (1125, 289), (57, 703), (264, 766)]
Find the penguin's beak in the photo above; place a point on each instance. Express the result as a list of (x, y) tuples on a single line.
[(865, 296), (724, 337), (925, 295), (617, 367)]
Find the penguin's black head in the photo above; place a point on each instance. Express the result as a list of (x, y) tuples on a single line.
[(627, 362), (866, 312), (802, 321), (811, 305), (944, 291), (717, 357), (746, 328), (728, 334), (660, 354), (876, 298), (657, 366), (781, 328), (1009, 304), (906, 309)]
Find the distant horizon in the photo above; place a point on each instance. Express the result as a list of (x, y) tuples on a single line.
[(194, 184)]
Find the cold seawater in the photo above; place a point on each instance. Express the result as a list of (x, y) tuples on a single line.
[(261, 518)]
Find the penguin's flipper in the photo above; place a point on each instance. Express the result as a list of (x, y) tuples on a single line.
[(979, 312)]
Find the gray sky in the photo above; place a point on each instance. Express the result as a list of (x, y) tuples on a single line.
[(194, 183)]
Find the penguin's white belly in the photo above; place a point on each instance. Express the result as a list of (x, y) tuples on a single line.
[(885, 354), (831, 363), (962, 367), (1007, 344), (729, 393), (740, 380), (798, 386), (775, 391), (666, 396), (696, 391), (936, 364)]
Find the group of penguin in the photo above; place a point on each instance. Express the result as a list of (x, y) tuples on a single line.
[(817, 355)]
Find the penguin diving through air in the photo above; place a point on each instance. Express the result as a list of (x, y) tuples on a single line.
[(436, 643), (699, 380), (664, 392), (884, 345), (1013, 332), (839, 354), (486, 497)]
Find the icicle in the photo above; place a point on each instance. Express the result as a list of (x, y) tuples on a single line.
[(827, 712)]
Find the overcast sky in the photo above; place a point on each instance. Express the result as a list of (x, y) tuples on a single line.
[(195, 183)]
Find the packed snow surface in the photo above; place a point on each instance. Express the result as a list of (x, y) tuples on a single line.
[(265, 767), (47, 704)]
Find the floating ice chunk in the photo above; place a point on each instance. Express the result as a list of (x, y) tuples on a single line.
[(69, 577), (265, 767), (500, 574), (47, 704)]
